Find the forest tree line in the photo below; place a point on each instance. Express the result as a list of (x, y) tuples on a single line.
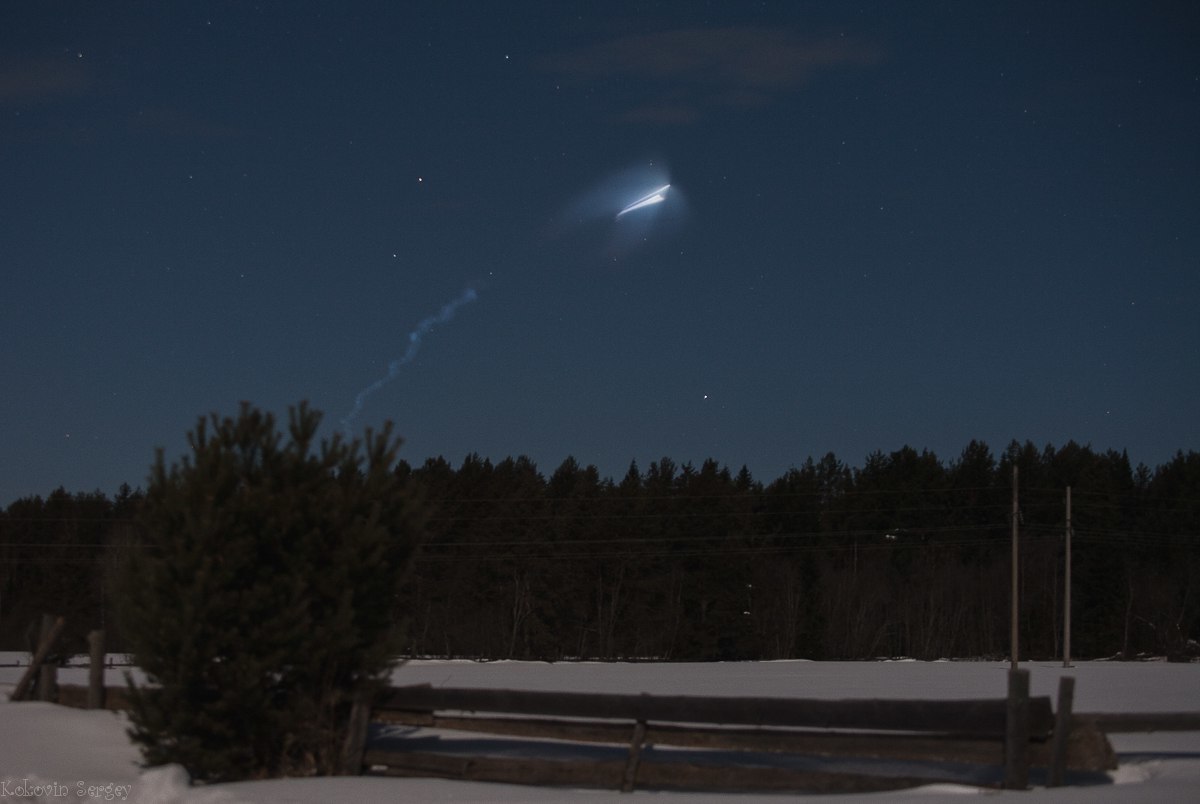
[(905, 555)]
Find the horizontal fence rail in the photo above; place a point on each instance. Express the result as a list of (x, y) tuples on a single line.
[(1140, 722), (963, 717)]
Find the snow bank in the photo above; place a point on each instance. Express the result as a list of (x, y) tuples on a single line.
[(50, 753)]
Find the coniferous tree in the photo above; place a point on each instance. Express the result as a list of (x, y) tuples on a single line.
[(263, 599)]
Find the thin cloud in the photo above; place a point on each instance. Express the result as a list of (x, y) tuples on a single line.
[(41, 79), (182, 124), (687, 73), (662, 114)]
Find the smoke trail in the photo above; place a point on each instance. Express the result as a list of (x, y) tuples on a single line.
[(414, 344)]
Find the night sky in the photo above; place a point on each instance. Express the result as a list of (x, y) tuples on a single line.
[(888, 224)]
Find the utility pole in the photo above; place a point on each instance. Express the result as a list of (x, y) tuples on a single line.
[(1067, 590), (1015, 639)]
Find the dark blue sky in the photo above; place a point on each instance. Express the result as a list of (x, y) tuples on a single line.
[(889, 224)]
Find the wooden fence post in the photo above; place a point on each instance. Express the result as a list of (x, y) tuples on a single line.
[(351, 761), (1016, 738), (39, 656), (629, 779), (48, 674), (95, 698), (1063, 721)]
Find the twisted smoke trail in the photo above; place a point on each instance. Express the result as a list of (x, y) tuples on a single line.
[(414, 344)]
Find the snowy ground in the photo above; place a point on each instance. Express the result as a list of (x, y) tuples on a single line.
[(52, 753)]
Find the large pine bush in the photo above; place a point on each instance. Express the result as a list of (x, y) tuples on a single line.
[(263, 599)]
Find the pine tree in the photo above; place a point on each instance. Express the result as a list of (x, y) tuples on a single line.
[(263, 600)]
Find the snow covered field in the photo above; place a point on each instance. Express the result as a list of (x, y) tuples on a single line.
[(51, 753)]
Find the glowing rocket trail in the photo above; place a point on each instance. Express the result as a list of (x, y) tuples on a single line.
[(414, 344), (656, 197)]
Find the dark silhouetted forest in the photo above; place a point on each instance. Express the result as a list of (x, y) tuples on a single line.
[(906, 555)]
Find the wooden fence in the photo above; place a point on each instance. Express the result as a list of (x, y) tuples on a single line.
[(734, 735), (719, 744), (737, 743)]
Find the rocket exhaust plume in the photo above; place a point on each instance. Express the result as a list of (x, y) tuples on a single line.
[(655, 197), (414, 345)]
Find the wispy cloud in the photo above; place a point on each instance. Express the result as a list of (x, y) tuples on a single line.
[(40, 79), (182, 124), (67, 80), (686, 74)]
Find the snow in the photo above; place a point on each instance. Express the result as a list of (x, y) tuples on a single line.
[(51, 753)]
